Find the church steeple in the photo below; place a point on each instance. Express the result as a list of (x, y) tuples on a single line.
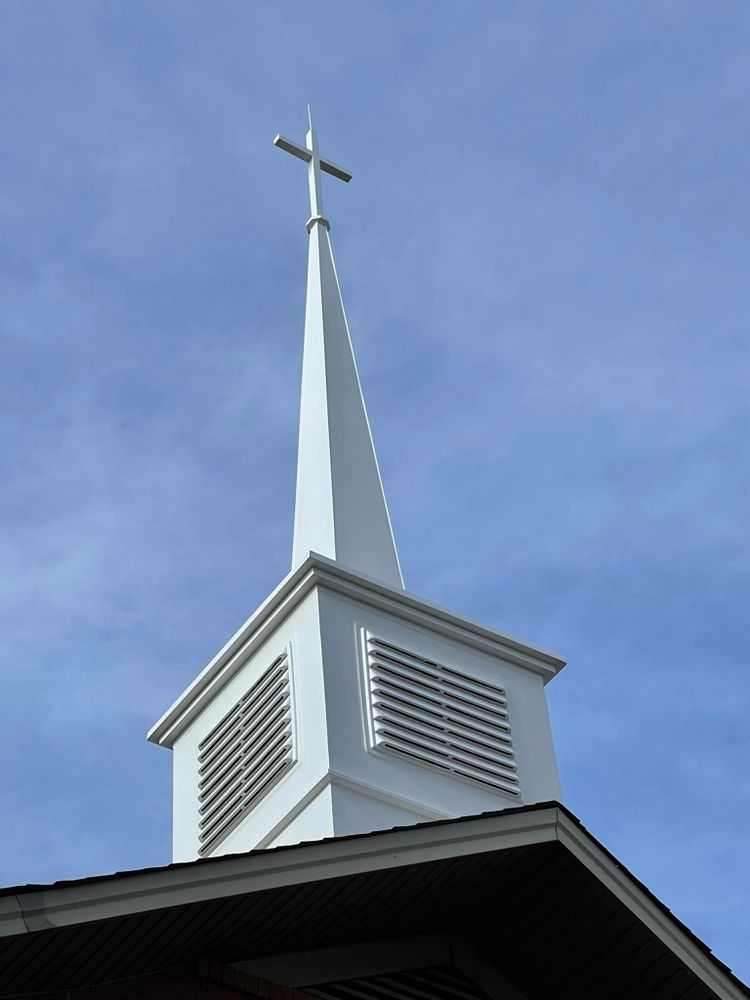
[(345, 704), (340, 507)]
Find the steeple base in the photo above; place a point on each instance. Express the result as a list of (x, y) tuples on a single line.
[(337, 806), (345, 706)]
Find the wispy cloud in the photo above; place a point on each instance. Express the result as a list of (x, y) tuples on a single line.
[(544, 259)]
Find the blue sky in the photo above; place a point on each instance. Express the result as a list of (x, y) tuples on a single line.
[(544, 256)]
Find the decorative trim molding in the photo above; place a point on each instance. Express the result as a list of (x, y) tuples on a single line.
[(312, 793), (315, 219), (424, 812), (421, 812), (317, 571)]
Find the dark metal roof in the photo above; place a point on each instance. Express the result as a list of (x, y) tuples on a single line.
[(15, 890), (552, 922)]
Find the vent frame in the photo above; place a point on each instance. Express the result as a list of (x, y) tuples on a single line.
[(247, 753), (440, 724)]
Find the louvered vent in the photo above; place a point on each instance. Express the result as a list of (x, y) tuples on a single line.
[(444, 983), (440, 717), (245, 754)]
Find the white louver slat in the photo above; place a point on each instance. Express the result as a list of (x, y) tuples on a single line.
[(439, 717), (440, 983), (245, 754)]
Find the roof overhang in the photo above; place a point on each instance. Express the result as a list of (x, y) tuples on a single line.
[(318, 571), (243, 906)]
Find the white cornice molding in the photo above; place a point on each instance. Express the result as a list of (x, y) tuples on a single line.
[(318, 571)]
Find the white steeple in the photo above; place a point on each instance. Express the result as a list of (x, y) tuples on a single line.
[(340, 510), (345, 704)]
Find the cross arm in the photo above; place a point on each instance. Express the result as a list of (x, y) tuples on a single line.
[(331, 168), (305, 154), (291, 147)]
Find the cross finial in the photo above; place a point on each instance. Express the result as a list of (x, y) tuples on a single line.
[(315, 164)]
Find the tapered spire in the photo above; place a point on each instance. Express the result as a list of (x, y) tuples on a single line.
[(340, 506)]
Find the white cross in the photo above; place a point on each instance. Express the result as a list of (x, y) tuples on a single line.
[(311, 155)]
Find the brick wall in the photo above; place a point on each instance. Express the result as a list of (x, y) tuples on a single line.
[(207, 980)]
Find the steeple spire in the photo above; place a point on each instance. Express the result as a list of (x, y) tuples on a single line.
[(345, 704), (340, 507)]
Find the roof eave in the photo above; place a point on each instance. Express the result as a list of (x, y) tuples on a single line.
[(130, 893), (127, 894)]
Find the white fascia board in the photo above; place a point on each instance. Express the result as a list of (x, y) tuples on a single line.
[(220, 878), (234, 875), (622, 885), (315, 571)]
